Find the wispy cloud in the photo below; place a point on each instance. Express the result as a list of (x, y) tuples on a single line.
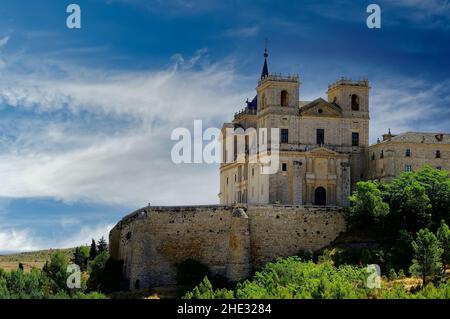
[(408, 105), (4, 41), (242, 32), (20, 240), (12, 240), (126, 159), (430, 14)]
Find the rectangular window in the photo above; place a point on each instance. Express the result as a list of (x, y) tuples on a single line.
[(320, 136), (408, 152), (253, 171), (408, 168), (284, 167), (227, 180), (284, 135), (355, 139), (438, 154)]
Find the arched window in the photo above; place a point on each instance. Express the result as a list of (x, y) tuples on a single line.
[(355, 102), (284, 98)]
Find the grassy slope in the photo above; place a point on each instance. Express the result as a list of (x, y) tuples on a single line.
[(35, 259)]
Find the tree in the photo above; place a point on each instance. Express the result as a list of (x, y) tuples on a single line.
[(409, 204), (93, 250), (419, 200), (105, 274), (56, 271), (102, 246), (366, 205), (81, 257), (443, 235), (427, 255), (437, 186), (400, 254)]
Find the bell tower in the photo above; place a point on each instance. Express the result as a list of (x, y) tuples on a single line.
[(278, 97), (353, 98)]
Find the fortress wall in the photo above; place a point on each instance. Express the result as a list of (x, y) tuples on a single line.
[(282, 231), (230, 241)]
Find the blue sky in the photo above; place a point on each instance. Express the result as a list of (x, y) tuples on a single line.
[(86, 115)]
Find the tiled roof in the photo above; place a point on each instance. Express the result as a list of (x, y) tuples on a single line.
[(421, 137)]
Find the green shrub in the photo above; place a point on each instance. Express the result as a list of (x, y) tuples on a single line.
[(392, 274), (106, 274)]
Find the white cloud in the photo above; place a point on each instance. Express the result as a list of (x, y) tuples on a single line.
[(242, 32), (4, 41), (127, 159), (21, 240), (12, 240), (83, 236), (114, 148)]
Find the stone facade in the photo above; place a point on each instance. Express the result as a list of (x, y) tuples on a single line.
[(408, 152), (323, 145), (324, 152), (230, 241)]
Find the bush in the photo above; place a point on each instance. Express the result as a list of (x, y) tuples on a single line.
[(392, 274), (106, 274), (205, 291), (291, 278), (56, 271)]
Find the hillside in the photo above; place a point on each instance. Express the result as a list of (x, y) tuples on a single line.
[(31, 259)]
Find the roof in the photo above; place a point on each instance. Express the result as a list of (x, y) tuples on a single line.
[(320, 101), (265, 70), (422, 137), (303, 103)]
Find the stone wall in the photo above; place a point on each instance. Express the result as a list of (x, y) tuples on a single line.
[(393, 162), (230, 241)]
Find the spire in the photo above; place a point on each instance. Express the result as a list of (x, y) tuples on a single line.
[(265, 70)]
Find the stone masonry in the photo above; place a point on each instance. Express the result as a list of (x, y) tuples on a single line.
[(230, 241)]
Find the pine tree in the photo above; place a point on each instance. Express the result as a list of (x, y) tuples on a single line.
[(443, 235), (93, 251), (102, 246), (80, 257), (427, 255)]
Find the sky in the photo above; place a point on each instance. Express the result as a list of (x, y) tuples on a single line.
[(86, 114)]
